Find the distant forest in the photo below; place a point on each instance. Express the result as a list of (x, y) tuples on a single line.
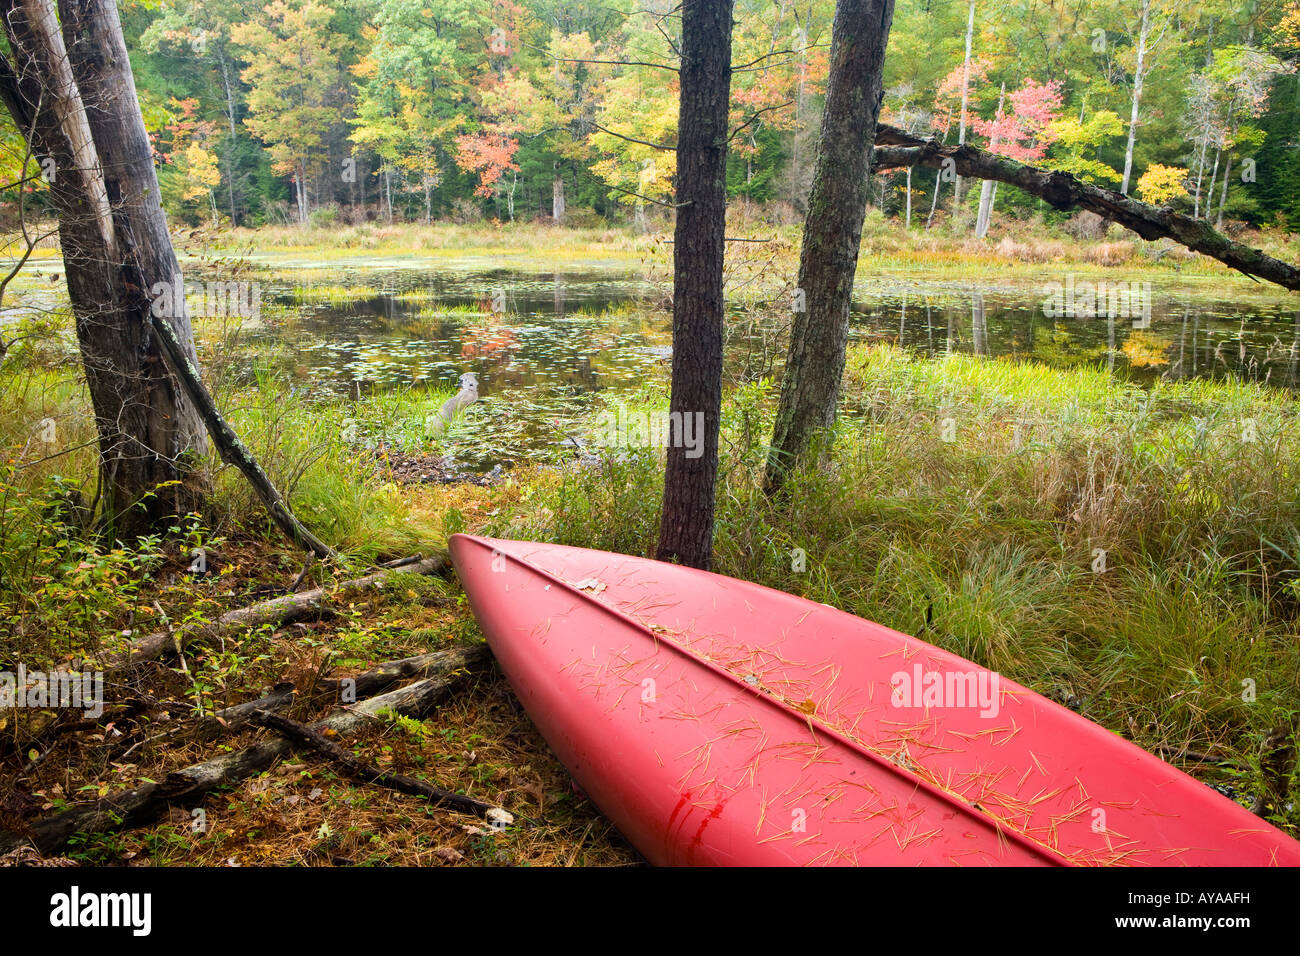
[(325, 111)]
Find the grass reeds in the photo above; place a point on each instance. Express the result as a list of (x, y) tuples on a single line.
[(1131, 552)]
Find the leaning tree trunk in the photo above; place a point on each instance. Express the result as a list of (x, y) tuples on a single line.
[(686, 528), (832, 232), (896, 148), (77, 104), (71, 93)]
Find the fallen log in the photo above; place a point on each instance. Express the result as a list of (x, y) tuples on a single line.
[(305, 736), (276, 611), (385, 675), (238, 716), (896, 149), (374, 681), (188, 786)]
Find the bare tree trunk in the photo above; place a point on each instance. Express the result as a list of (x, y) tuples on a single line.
[(1223, 196), (1200, 175), (981, 217), (934, 199), (1205, 127), (78, 107), (907, 223), (965, 100), (1139, 75), (1209, 193), (987, 187), (304, 209), (686, 528), (230, 153), (557, 196), (832, 233)]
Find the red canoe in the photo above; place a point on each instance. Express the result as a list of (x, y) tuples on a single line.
[(714, 721)]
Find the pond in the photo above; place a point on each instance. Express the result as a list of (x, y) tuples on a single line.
[(545, 346)]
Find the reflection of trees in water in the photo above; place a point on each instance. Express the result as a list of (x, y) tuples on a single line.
[(979, 325), (1180, 340), (1295, 351), (488, 341)]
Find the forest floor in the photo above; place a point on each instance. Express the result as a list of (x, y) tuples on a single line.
[(982, 536)]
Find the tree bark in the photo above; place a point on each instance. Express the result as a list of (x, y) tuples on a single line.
[(71, 93), (832, 233), (686, 527)]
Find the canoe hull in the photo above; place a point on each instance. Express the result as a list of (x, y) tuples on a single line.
[(717, 722)]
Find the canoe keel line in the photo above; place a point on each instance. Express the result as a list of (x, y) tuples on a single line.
[(715, 721)]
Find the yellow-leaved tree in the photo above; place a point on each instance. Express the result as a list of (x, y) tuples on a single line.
[(1161, 185)]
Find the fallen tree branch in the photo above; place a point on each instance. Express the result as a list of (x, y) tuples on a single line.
[(896, 149), (374, 681), (275, 611), (297, 582), (305, 736), (383, 676), (187, 787), (238, 716)]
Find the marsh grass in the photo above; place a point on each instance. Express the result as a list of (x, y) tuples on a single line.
[(332, 294), (1130, 551), (1124, 550), (537, 241), (1014, 252)]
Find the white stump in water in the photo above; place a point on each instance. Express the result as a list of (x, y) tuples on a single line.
[(467, 395)]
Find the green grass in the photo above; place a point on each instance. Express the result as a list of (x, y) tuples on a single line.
[(1133, 550), (541, 243), (990, 544)]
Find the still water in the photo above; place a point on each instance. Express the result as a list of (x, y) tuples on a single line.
[(544, 346)]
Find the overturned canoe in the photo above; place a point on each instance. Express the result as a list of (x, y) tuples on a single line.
[(714, 721)]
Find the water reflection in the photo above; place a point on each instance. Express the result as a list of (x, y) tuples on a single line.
[(1180, 339), (545, 345)]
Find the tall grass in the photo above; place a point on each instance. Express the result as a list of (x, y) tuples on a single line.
[(1131, 552)]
